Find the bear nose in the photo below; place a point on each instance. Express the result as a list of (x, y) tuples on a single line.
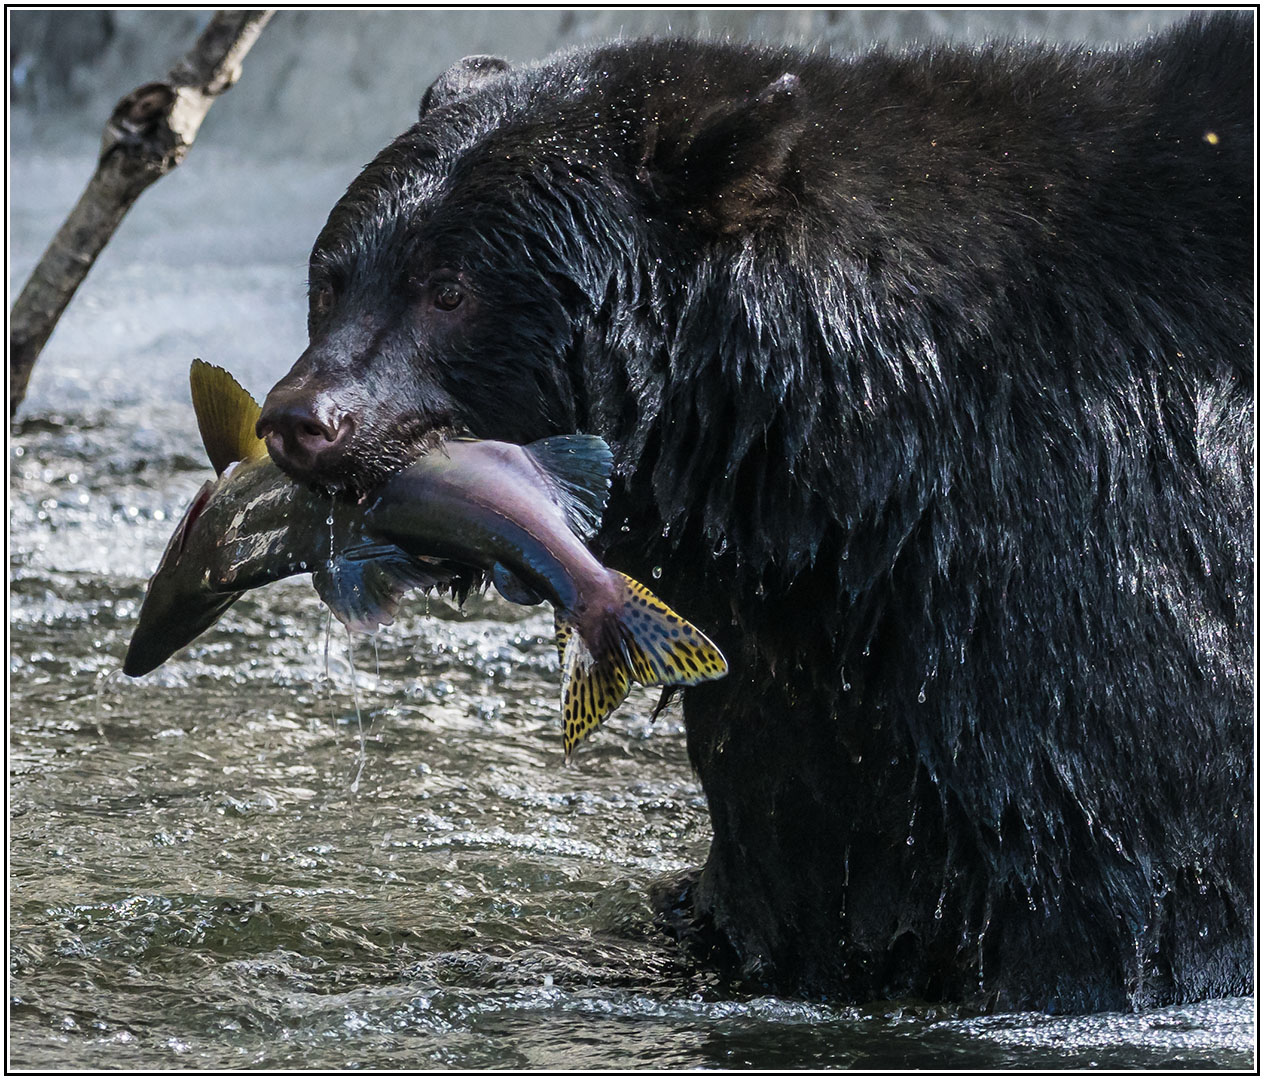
[(303, 436)]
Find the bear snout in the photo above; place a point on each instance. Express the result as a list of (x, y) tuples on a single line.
[(306, 436)]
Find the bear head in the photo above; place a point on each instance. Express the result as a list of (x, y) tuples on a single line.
[(480, 272)]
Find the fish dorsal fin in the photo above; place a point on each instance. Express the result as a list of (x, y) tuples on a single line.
[(580, 467), (226, 416)]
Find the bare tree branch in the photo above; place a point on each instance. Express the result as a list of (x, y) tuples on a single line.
[(147, 135)]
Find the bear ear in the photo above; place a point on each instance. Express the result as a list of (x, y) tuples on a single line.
[(465, 75), (727, 169)]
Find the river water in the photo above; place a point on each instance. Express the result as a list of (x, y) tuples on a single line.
[(287, 850)]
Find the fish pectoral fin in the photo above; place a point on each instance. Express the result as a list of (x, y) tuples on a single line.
[(579, 467), (512, 588), (365, 592), (226, 416), (368, 552)]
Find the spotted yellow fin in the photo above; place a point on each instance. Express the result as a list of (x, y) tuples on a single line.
[(663, 648), (656, 647), (592, 688), (226, 416), (562, 631)]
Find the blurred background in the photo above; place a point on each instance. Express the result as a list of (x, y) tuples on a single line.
[(328, 84), (212, 258)]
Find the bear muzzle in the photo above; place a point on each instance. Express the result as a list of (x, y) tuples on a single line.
[(306, 436)]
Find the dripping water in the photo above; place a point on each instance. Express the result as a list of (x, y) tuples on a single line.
[(355, 699), (327, 682)]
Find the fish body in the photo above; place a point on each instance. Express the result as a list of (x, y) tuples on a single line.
[(496, 506), (520, 514), (522, 517), (253, 525)]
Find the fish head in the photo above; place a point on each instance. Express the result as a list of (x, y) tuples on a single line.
[(180, 600), (215, 546)]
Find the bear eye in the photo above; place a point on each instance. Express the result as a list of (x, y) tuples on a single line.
[(323, 300), (448, 296)]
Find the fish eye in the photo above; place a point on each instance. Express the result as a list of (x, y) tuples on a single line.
[(448, 296)]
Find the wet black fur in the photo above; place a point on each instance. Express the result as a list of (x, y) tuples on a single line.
[(929, 381)]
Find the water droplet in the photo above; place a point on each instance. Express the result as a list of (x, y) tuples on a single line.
[(921, 695), (330, 519), (909, 841), (846, 687), (657, 572), (1202, 931)]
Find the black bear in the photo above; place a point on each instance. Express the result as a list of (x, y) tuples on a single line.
[(929, 377)]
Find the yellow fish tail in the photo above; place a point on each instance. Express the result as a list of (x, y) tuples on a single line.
[(656, 647)]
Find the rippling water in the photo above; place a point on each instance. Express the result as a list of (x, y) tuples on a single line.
[(263, 855)]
